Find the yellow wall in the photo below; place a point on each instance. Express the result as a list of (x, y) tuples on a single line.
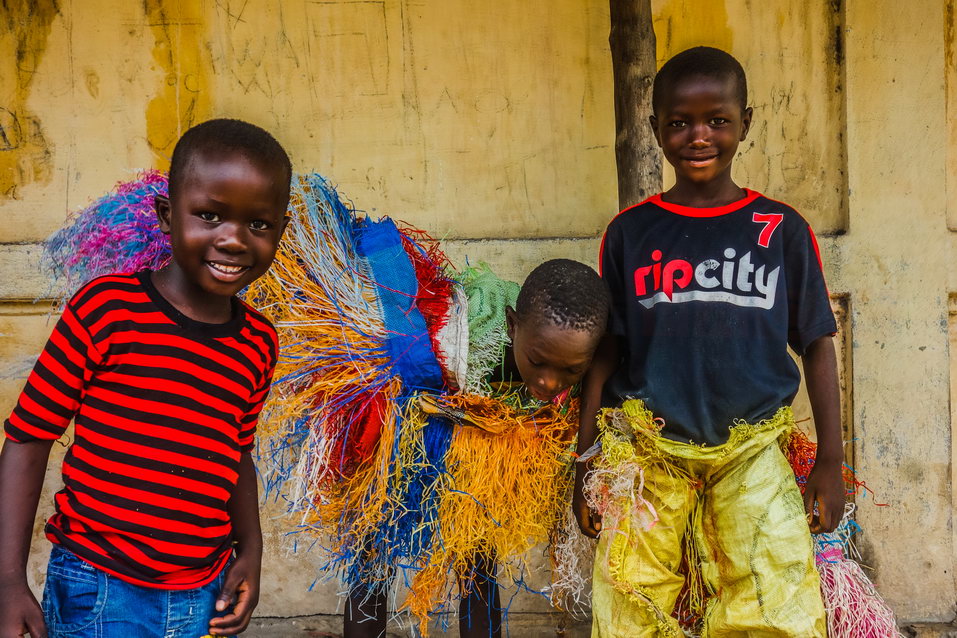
[(950, 87), (465, 118), (492, 125), (897, 262)]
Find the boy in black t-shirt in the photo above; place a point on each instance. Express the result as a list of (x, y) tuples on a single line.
[(710, 284)]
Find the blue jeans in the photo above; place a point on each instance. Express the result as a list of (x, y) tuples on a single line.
[(80, 601)]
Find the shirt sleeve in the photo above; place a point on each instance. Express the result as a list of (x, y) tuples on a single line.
[(55, 387), (247, 426), (809, 307), (610, 269)]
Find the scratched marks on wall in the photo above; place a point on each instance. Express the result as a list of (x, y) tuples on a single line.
[(469, 119), (180, 49), (254, 54), (25, 152), (351, 39)]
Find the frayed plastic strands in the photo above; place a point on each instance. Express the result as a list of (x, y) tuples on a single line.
[(509, 472), (854, 607), (118, 232), (334, 386), (801, 452), (487, 297), (573, 555), (630, 443), (364, 309)]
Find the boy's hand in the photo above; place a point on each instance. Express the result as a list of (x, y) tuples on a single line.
[(825, 487), (22, 466), (589, 522), (20, 613), (241, 592), (603, 365), (241, 584), (825, 484)]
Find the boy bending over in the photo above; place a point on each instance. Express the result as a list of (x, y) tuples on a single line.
[(710, 284), (554, 323), (156, 530)]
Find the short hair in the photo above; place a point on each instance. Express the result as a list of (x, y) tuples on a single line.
[(566, 293), (699, 62), (223, 136)]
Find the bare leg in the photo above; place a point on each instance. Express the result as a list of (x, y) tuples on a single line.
[(480, 612), (365, 614)]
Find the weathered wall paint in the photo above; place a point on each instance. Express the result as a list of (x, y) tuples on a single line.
[(952, 347), (184, 97), (896, 261), (467, 119), (25, 153), (950, 93), (87, 94)]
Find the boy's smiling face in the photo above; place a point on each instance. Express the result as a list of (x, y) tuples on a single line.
[(549, 358), (225, 221), (698, 126)]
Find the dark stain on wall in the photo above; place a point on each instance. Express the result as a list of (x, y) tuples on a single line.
[(26, 156)]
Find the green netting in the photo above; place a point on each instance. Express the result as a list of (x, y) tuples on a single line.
[(488, 296)]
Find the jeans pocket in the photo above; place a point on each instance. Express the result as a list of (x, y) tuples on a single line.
[(74, 595)]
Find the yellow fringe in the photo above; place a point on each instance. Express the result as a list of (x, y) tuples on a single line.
[(510, 473), (631, 440)]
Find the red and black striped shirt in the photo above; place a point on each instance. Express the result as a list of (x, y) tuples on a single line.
[(164, 406)]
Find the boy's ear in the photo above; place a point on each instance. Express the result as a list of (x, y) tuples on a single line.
[(746, 123), (511, 320), (653, 121), (163, 212)]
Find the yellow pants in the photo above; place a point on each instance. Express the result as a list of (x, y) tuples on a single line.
[(745, 520)]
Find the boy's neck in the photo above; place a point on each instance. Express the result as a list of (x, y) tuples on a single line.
[(707, 195), (189, 299)]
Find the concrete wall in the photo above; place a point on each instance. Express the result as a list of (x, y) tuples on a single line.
[(492, 125)]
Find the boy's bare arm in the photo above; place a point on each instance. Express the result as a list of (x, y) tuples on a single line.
[(241, 585), (603, 366), (825, 483), (22, 468)]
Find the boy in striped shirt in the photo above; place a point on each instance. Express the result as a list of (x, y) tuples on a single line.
[(156, 530)]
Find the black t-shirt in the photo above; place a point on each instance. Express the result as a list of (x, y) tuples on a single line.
[(707, 301)]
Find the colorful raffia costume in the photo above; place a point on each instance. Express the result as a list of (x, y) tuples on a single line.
[(382, 431)]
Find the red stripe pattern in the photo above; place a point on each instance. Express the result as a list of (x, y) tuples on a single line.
[(164, 407)]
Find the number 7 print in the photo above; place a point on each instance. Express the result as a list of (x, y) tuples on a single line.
[(771, 221)]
